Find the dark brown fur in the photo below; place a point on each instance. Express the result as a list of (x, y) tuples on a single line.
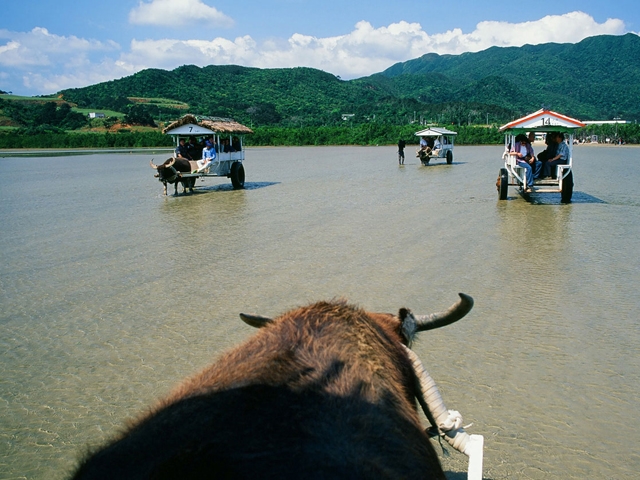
[(325, 391), (172, 174)]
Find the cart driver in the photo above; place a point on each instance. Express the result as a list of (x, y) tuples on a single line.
[(208, 155), (426, 146)]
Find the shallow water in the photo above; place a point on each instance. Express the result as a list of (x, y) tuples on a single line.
[(110, 292)]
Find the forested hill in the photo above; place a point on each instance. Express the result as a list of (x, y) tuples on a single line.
[(268, 96), (598, 78)]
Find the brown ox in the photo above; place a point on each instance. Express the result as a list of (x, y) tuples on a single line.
[(171, 172), (322, 392)]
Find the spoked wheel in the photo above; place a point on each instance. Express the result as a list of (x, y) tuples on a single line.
[(237, 175), (503, 184), (567, 188), (449, 157)]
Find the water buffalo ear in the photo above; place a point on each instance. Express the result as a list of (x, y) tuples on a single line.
[(256, 321), (409, 325)]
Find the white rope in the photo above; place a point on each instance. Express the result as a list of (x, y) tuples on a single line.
[(449, 422), (452, 422)]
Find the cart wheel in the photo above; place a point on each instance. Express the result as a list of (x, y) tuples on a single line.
[(237, 175), (567, 188), (503, 184), (449, 157)]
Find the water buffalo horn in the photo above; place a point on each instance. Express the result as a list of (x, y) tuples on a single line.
[(152, 165), (440, 319), (256, 321)]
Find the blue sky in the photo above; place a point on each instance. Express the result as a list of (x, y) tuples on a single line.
[(48, 46)]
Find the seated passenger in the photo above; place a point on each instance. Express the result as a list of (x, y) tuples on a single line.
[(224, 145), (549, 152), (560, 158), (436, 147), (525, 158), (182, 151), (194, 148), (208, 156)]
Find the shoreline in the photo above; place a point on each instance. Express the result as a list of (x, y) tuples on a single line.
[(29, 152)]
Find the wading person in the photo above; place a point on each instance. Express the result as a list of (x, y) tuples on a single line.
[(401, 145)]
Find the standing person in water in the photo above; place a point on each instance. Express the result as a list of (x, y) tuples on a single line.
[(401, 145)]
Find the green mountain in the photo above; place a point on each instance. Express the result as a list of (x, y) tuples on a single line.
[(598, 78), (266, 96)]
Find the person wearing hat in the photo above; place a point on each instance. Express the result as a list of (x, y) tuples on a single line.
[(208, 155)]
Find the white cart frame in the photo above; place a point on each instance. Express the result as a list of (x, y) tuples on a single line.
[(543, 121)]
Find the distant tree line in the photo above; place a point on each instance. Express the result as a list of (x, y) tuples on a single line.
[(626, 132), (58, 117), (43, 117), (27, 139), (363, 134)]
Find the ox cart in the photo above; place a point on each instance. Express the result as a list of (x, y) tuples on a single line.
[(227, 137), (557, 177), (436, 143)]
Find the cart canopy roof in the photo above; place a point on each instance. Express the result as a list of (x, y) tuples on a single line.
[(542, 121), (190, 129), (192, 125), (435, 132)]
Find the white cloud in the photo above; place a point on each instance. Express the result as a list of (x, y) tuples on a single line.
[(366, 49), (568, 28), (178, 13), (46, 63), (41, 48)]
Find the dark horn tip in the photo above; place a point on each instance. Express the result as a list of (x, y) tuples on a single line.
[(466, 298)]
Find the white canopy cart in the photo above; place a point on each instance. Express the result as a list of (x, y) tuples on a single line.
[(440, 144), (541, 122)]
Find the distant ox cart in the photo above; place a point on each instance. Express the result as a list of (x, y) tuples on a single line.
[(437, 142), (325, 391), (227, 137)]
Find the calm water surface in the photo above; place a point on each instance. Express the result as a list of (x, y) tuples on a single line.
[(110, 293)]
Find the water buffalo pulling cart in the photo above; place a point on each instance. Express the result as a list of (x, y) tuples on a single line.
[(439, 144), (514, 174), (227, 137)]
